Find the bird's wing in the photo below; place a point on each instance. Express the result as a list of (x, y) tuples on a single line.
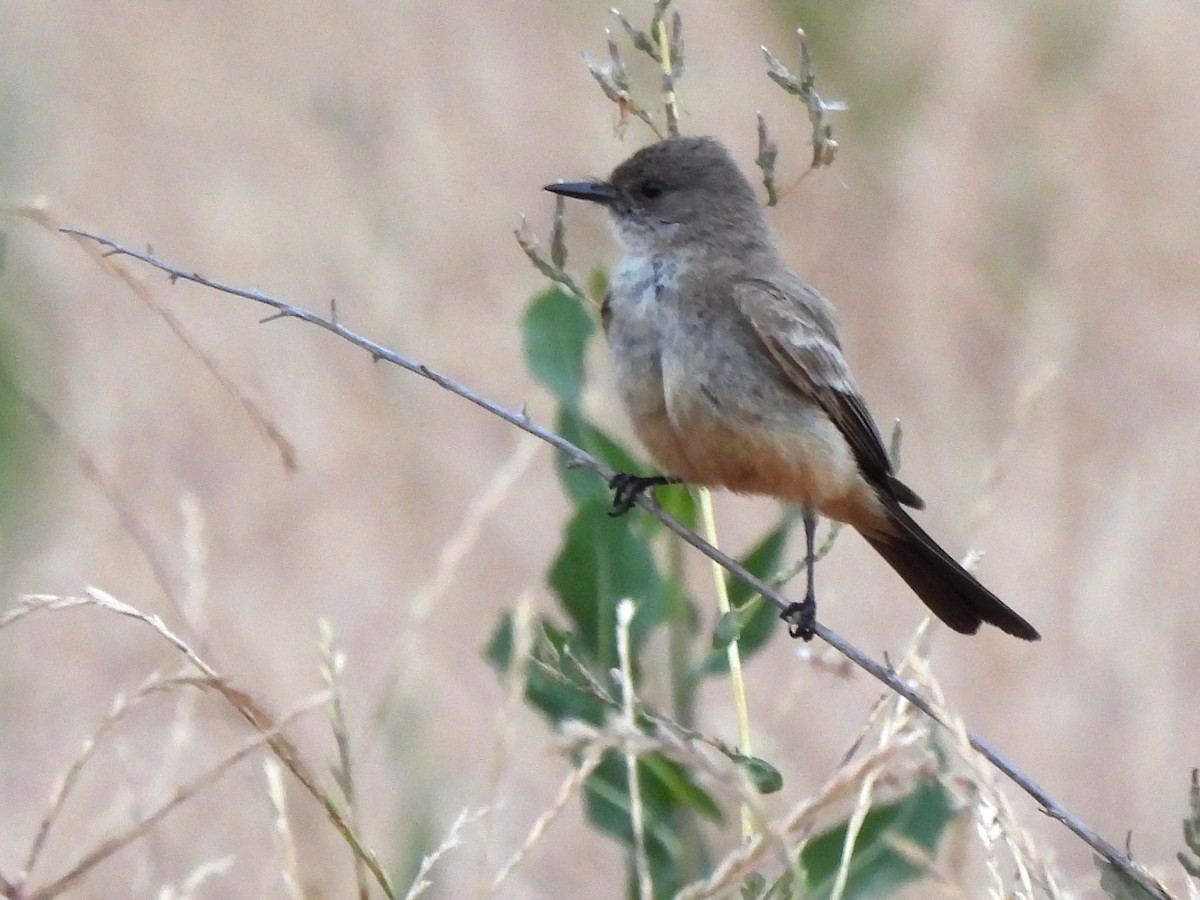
[(797, 330)]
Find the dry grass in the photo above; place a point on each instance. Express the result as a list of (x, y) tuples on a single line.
[(1032, 209)]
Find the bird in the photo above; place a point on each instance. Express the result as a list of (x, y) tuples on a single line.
[(730, 368)]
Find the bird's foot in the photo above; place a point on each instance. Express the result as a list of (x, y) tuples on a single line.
[(627, 487), (801, 619)]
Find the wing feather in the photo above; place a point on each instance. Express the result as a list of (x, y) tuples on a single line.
[(797, 330)]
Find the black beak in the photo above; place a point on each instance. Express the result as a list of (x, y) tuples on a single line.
[(596, 191)]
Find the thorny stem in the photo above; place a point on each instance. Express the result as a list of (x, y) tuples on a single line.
[(580, 458)]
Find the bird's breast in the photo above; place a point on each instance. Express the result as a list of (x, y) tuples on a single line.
[(637, 320)]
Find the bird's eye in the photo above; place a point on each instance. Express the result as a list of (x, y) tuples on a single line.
[(651, 188)]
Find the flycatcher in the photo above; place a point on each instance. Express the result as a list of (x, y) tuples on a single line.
[(730, 368)]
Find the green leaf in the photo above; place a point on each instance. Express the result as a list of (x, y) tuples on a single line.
[(729, 626), (556, 330), (1118, 885), (678, 788), (920, 817), (603, 561), (557, 698), (765, 777), (666, 792), (680, 502)]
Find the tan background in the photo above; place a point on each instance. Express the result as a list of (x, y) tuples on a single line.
[(1017, 195)]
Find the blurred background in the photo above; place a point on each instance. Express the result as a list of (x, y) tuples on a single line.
[(1009, 234)]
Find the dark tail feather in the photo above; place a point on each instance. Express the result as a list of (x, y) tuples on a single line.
[(949, 590)]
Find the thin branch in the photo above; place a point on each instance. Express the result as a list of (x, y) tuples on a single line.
[(245, 705), (333, 666), (733, 652), (571, 785), (803, 86), (551, 267), (453, 838), (768, 153), (670, 59), (125, 511), (268, 428), (181, 795), (285, 840), (611, 77), (121, 707), (580, 458), (641, 864)]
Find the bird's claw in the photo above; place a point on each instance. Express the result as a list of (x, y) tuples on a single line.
[(801, 619), (627, 487)]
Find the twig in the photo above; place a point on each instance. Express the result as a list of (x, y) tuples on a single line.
[(285, 841), (181, 795), (453, 838), (121, 707), (195, 879), (625, 611), (552, 268), (245, 705), (670, 59), (748, 857), (733, 652), (570, 786), (515, 680), (461, 542), (768, 153), (333, 666), (269, 429), (803, 86), (613, 79), (126, 512), (582, 459)]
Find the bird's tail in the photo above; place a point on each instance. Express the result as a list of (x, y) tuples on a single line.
[(949, 590)]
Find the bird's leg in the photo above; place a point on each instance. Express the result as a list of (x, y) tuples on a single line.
[(627, 487), (802, 617)]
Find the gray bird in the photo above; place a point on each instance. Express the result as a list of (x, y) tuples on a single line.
[(730, 368)]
